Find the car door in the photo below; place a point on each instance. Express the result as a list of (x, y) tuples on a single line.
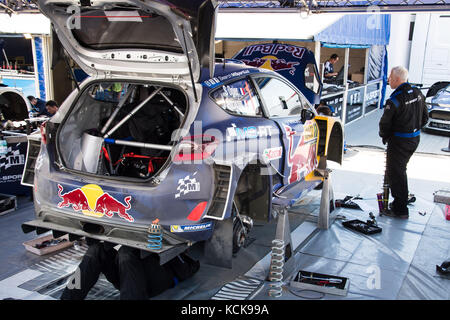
[(248, 133), (283, 104)]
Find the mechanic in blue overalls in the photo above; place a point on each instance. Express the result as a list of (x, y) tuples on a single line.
[(136, 277), (38, 106), (405, 113), (51, 107), (328, 71)]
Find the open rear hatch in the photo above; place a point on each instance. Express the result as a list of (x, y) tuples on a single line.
[(125, 123), (151, 39), (121, 129)]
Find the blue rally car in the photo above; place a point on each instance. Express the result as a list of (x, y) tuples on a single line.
[(162, 135)]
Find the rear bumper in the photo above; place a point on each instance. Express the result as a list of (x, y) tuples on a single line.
[(131, 237)]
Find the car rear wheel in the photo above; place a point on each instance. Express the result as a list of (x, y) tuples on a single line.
[(241, 229)]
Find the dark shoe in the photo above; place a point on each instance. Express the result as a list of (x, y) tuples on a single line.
[(393, 214)]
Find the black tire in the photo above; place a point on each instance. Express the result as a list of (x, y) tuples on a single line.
[(239, 235)]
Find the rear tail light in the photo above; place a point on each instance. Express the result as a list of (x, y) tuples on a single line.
[(43, 132), (197, 212), (196, 148)]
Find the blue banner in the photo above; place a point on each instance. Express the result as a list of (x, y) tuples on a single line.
[(40, 67)]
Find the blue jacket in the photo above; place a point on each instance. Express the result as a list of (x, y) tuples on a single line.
[(40, 108)]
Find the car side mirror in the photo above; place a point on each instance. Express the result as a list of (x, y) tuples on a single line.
[(306, 115)]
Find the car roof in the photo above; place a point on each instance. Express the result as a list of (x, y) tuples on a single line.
[(229, 70)]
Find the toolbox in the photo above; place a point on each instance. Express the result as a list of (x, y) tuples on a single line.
[(442, 196), (319, 282), (47, 244), (8, 203), (361, 226)]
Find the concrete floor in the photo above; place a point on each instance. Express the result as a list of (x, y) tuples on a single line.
[(406, 252), (364, 132)]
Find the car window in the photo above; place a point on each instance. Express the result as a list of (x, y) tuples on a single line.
[(129, 29), (311, 78), (280, 99), (239, 98)]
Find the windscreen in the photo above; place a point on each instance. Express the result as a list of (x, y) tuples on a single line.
[(120, 28)]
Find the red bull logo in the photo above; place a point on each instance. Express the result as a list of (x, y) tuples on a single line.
[(301, 157), (91, 200), (274, 49), (272, 63)]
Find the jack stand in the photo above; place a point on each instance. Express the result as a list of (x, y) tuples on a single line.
[(284, 232), (326, 201), (283, 235)]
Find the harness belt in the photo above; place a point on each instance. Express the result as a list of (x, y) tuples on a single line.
[(407, 135)]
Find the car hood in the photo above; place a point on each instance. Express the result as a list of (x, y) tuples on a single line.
[(142, 38)]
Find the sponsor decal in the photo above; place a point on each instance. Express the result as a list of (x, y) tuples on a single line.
[(310, 132), (272, 63), (217, 81), (301, 157), (274, 49), (10, 178), (191, 227), (235, 133), (92, 201), (273, 153), (187, 185), (11, 158)]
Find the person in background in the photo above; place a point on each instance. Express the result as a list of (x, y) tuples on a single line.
[(323, 109), (52, 107), (405, 113), (329, 66), (38, 106)]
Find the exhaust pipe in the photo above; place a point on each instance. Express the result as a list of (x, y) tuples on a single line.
[(93, 228)]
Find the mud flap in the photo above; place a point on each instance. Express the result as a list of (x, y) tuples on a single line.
[(219, 248)]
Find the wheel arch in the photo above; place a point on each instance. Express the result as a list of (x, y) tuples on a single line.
[(331, 138)]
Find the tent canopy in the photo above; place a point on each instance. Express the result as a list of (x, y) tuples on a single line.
[(342, 6), (356, 31)]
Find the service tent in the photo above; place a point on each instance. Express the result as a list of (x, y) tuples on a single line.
[(358, 31)]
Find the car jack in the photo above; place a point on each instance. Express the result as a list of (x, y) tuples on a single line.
[(280, 263)]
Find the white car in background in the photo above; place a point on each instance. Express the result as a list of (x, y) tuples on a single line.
[(439, 111)]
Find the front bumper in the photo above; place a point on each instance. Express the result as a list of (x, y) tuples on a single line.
[(131, 237), (438, 125)]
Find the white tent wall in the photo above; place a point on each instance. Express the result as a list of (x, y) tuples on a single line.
[(399, 45), (430, 50), (271, 25), (32, 23), (417, 57)]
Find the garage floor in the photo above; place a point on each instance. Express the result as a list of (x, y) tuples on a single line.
[(398, 263)]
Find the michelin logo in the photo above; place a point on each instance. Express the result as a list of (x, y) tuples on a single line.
[(191, 227)]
